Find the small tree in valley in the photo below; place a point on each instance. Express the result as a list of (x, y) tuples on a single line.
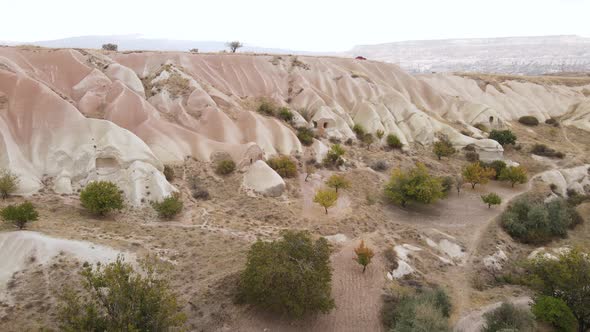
[(337, 181), (8, 183), (19, 214), (443, 148), (326, 198), (491, 199), (364, 255), (101, 197), (474, 173), (416, 185), (514, 175)]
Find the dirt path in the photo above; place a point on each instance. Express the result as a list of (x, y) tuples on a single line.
[(357, 296)]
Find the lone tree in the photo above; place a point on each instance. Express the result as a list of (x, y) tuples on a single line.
[(474, 173), (119, 299), (337, 181), (309, 170), (566, 278), (368, 139), (289, 276), (20, 214), (443, 148), (326, 198), (491, 199), (513, 174), (234, 45), (416, 185), (503, 137), (110, 47), (364, 255), (8, 183), (101, 197)]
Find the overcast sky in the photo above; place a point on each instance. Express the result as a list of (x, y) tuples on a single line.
[(311, 25)]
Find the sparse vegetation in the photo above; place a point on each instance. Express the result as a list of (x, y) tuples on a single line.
[(285, 114), (334, 156), (234, 45), (284, 166), (266, 107), (543, 150), (514, 175), (168, 173), (169, 206), (119, 299), (476, 174), (555, 312), (416, 185), (532, 221), (504, 137), (225, 167), (19, 214), (528, 120), (508, 317), (379, 133), (364, 255), (8, 183), (443, 148), (393, 142), (290, 276), (101, 197), (566, 278), (305, 136), (337, 181), (326, 198), (428, 310), (359, 130), (110, 47), (491, 199), (368, 140)]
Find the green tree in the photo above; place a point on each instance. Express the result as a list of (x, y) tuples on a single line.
[(20, 214), (416, 185), (326, 198), (393, 141), (368, 139), (443, 148), (234, 45), (289, 276), (508, 317), (101, 197), (427, 311), (8, 183), (169, 206), (503, 137), (119, 299), (284, 166), (364, 255), (566, 278), (337, 181), (474, 173), (514, 175), (491, 199), (305, 136), (555, 312)]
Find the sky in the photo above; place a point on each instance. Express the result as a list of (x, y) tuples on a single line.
[(306, 25)]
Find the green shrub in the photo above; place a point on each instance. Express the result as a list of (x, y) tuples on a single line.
[(491, 199), (544, 150), (416, 185), (359, 130), (513, 174), (503, 137), (285, 114), (426, 311), (225, 167), (555, 312), (393, 142), (305, 136), (289, 276), (169, 206), (379, 133), (8, 183), (497, 165), (334, 156), (552, 122), (471, 156), (169, 173), (532, 221), (284, 166), (508, 317), (368, 139), (19, 214), (266, 108), (101, 197), (528, 120), (116, 298), (443, 148)]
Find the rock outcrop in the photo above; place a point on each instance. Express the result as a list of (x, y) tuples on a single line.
[(262, 179)]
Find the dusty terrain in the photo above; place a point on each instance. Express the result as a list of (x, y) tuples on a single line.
[(186, 125)]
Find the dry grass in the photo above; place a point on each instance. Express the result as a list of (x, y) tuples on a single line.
[(496, 79)]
